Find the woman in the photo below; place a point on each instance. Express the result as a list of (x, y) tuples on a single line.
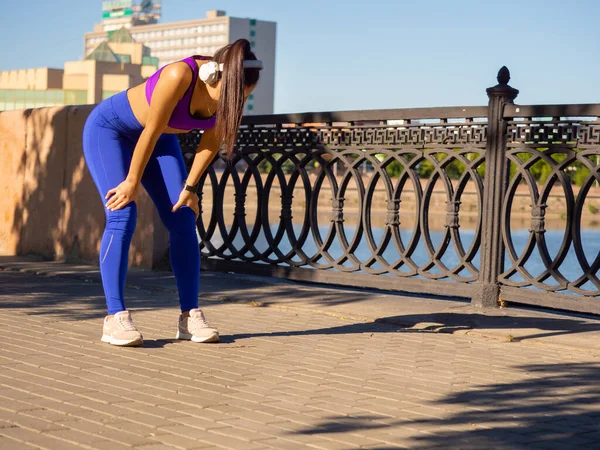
[(129, 139)]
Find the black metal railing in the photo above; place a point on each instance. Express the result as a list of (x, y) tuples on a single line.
[(565, 140), (418, 200)]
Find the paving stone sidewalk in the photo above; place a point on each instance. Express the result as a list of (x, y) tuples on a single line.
[(282, 378)]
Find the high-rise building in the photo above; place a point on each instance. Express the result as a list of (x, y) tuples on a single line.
[(174, 41)]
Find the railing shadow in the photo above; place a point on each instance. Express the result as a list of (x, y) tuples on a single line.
[(86, 300), (553, 406), (68, 299), (444, 323)]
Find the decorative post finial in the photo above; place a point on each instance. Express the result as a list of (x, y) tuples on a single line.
[(503, 75), (502, 89)]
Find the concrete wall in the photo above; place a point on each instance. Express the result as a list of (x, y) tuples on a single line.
[(13, 130), (49, 203)]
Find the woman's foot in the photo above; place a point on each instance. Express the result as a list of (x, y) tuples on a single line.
[(120, 330), (196, 328)]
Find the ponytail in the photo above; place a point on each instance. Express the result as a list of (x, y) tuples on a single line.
[(234, 79)]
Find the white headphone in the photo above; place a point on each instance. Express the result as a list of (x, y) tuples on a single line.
[(209, 72)]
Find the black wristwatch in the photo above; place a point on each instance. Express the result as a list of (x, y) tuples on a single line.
[(193, 189)]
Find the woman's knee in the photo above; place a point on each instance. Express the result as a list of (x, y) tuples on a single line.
[(181, 221)]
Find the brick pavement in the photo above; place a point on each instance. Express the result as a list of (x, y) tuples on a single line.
[(280, 379)]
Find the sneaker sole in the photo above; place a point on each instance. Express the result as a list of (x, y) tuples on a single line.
[(190, 337), (122, 342)]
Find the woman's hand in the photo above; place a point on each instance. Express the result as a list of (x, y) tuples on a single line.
[(122, 195), (187, 198)]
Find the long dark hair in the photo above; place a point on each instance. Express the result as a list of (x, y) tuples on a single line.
[(234, 79)]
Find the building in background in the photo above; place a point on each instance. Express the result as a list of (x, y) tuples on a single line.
[(174, 41), (113, 66), (124, 13), (129, 46)]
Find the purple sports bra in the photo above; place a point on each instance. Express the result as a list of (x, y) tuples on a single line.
[(181, 118)]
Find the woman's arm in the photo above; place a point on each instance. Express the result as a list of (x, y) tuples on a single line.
[(208, 148), (172, 84)]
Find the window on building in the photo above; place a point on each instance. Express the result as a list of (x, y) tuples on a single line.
[(74, 97), (29, 99), (55, 97)]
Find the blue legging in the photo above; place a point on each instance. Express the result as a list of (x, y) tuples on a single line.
[(109, 137)]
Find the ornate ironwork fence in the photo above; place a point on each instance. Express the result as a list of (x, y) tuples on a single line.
[(565, 140), (380, 199)]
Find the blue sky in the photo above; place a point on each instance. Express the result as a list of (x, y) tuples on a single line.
[(342, 54)]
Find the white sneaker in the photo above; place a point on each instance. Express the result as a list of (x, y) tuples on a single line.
[(196, 328), (120, 330)]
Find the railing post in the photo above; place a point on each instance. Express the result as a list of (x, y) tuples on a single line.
[(495, 185)]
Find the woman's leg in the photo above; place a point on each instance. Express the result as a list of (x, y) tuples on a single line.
[(108, 156), (163, 179)]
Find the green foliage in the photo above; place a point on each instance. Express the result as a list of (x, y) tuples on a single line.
[(395, 168), (454, 169), (579, 175), (541, 170), (265, 166)]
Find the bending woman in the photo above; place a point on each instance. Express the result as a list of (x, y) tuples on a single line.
[(129, 139)]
